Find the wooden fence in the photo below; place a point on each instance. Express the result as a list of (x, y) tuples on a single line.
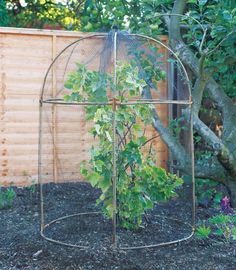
[(25, 55)]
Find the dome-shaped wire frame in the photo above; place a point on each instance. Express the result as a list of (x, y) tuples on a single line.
[(56, 100)]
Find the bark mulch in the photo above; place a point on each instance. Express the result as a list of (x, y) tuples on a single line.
[(22, 247)]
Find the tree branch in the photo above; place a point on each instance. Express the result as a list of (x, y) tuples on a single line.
[(225, 104), (187, 56), (178, 8), (199, 87), (216, 173), (150, 140), (221, 42), (224, 156), (175, 147)]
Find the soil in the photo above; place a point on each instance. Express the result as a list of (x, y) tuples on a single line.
[(22, 247)]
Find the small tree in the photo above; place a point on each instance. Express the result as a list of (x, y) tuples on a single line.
[(140, 182), (203, 34)]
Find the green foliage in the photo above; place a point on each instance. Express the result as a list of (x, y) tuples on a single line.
[(140, 183), (220, 18), (32, 189), (7, 197), (143, 17), (3, 14), (139, 16), (219, 219), (178, 125), (203, 232), (234, 233), (43, 14), (224, 226), (208, 193), (220, 226)]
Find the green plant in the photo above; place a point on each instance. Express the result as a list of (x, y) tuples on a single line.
[(140, 183), (203, 232), (178, 125), (234, 233), (32, 187), (3, 14), (208, 193), (41, 14), (223, 226), (7, 197)]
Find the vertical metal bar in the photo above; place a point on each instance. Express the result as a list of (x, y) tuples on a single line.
[(40, 168), (193, 169), (114, 143), (170, 80), (114, 204), (115, 62), (54, 111)]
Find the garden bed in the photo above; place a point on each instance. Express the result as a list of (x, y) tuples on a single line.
[(21, 246)]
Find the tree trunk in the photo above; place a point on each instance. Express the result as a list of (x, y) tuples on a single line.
[(231, 184), (224, 168)]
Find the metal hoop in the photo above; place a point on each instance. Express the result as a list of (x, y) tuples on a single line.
[(177, 241), (62, 218)]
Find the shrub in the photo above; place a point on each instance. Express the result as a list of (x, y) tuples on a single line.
[(140, 183), (221, 225), (7, 197)]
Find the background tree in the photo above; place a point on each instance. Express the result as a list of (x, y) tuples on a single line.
[(3, 14), (208, 51), (42, 14)]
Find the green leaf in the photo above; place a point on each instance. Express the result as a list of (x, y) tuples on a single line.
[(98, 164), (67, 98), (68, 84), (203, 232), (108, 136), (94, 178), (219, 219), (233, 232), (97, 128), (98, 115), (105, 184), (142, 140), (202, 2), (219, 232), (233, 219), (83, 170), (109, 209)]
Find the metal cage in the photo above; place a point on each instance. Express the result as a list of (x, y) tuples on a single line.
[(53, 106)]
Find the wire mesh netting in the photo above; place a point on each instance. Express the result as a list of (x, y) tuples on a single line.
[(110, 115)]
